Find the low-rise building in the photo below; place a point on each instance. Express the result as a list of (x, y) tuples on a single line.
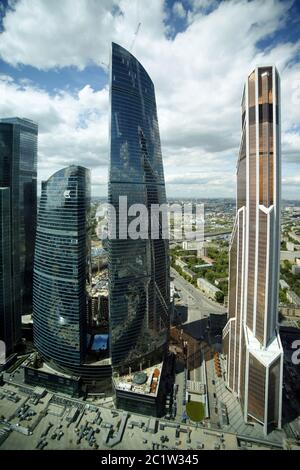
[(294, 236), (180, 263), (290, 311), (296, 269), (220, 280), (293, 298), (283, 284), (141, 391), (193, 245), (189, 272), (289, 255), (207, 288)]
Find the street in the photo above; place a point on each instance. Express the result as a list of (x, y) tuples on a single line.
[(198, 306)]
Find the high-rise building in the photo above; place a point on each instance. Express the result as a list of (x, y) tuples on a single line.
[(7, 333), (251, 340), (138, 268), (18, 171), (61, 268)]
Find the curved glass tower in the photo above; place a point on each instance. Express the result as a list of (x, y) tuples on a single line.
[(138, 268), (60, 267)]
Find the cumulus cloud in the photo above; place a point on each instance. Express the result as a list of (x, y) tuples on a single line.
[(179, 10), (47, 35), (198, 75), (73, 128)]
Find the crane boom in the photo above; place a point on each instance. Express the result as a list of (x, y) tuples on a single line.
[(135, 35)]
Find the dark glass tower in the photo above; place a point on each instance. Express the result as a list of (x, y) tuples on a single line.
[(18, 170), (6, 304), (60, 268), (138, 269)]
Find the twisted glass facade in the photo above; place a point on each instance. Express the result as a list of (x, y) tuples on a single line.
[(60, 267), (138, 269), (18, 171)]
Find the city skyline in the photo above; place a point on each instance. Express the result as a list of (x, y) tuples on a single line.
[(150, 226), (69, 89)]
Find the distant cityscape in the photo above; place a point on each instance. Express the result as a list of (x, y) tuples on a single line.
[(112, 342)]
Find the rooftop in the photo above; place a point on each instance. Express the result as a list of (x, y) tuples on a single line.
[(150, 383)]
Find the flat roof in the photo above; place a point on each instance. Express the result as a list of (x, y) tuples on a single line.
[(150, 387)]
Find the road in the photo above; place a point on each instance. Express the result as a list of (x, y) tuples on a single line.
[(197, 304)]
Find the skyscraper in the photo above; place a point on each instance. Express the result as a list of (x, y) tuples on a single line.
[(7, 333), (138, 268), (251, 340), (60, 268), (18, 171)]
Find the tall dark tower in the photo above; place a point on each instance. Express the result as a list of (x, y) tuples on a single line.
[(60, 268), (18, 172), (138, 268)]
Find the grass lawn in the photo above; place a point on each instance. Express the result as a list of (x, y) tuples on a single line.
[(195, 411)]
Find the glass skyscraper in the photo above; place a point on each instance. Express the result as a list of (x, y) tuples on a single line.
[(251, 340), (7, 333), (18, 171), (61, 268), (138, 268)]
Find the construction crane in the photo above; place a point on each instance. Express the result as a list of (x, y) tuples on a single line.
[(134, 36), (105, 65)]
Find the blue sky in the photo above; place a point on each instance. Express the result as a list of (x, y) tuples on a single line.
[(198, 53)]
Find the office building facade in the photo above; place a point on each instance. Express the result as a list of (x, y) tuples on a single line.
[(251, 340), (138, 268), (18, 172), (61, 268)]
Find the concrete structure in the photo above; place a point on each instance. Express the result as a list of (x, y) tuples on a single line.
[(141, 391), (296, 268), (179, 262), (207, 288), (191, 274), (283, 284), (293, 298), (290, 246), (294, 236), (290, 311), (192, 245), (251, 340), (289, 255)]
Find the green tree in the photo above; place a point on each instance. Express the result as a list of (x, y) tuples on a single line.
[(219, 297)]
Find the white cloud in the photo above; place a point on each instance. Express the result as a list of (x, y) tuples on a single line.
[(48, 34), (72, 128), (179, 10), (198, 76)]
